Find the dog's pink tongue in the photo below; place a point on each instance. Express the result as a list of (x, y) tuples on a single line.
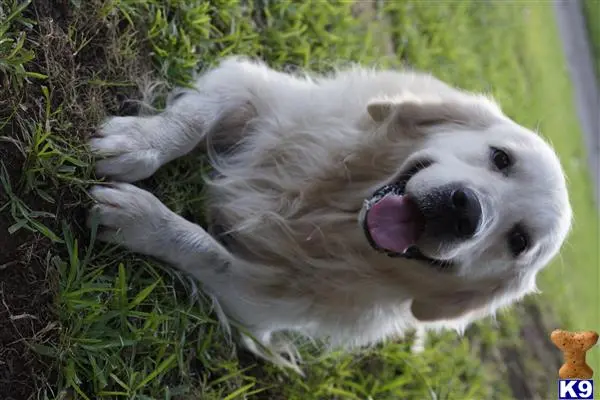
[(395, 223)]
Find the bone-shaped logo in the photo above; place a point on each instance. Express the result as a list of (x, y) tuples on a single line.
[(574, 345)]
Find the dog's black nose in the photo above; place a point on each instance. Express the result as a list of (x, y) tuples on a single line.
[(452, 212), (467, 211)]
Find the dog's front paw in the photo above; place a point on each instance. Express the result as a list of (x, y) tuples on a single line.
[(130, 216), (128, 149)]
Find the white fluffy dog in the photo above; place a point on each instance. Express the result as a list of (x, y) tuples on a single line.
[(348, 207)]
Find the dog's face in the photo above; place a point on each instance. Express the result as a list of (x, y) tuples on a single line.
[(478, 197)]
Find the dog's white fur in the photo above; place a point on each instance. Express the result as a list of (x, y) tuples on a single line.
[(307, 152)]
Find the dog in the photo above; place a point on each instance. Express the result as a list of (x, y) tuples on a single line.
[(349, 207)]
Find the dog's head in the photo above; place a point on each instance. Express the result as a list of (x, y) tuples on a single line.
[(480, 198)]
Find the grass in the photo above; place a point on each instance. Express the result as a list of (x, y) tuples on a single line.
[(124, 325), (579, 261), (591, 11)]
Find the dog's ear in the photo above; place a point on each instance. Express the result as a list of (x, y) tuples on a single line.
[(477, 112), (446, 306), (380, 110)]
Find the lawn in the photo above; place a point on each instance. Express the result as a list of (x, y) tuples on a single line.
[(574, 279), (88, 321)]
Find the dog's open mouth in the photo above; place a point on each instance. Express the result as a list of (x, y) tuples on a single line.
[(393, 222)]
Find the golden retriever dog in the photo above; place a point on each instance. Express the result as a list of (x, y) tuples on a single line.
[(348, 207)]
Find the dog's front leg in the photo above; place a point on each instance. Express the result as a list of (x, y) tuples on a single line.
[(136, 219), (217, 110)]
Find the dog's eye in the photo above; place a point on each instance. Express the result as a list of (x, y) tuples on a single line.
[(517, 241), (500, 159)]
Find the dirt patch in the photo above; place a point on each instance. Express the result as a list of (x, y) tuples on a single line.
[(26, 292), (25, 302), (78, 50)]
